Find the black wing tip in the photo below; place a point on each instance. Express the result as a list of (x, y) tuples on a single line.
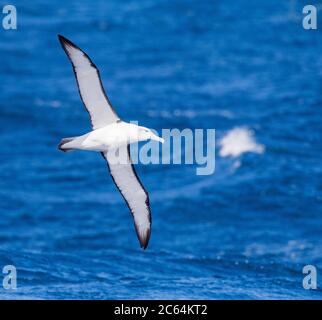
[(144, 240), (60, 37), (66, 42), (144, 246), (63, 40)]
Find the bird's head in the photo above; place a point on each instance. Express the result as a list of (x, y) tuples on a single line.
[(146, 134)]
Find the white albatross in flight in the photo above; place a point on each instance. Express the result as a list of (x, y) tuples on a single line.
[(110, 136)]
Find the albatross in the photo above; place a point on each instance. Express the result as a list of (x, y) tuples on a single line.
[(111, 137)]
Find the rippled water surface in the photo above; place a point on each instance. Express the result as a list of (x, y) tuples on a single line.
[(246, 68)]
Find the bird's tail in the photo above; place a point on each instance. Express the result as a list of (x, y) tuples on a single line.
[(63, 144)]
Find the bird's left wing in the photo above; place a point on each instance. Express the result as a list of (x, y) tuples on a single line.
[(90, 86), (132, 190)]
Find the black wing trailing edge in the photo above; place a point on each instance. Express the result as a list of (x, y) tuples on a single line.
[(89, 86), (133, 192)]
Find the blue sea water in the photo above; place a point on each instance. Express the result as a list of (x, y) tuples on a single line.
[(244, 232)]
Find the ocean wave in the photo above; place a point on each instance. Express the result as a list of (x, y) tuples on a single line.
[(51, 103), (190, 114), (238, 141)]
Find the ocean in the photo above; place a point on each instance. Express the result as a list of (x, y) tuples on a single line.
[(247, 69)]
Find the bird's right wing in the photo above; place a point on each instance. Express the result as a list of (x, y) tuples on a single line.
[(90, 86), (132, 190)]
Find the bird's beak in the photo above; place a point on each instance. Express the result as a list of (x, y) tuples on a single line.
[(156, 138)]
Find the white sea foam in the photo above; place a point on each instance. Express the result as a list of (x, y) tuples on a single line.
[(238, 141), (50, 103)]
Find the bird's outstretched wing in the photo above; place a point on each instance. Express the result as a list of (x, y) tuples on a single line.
[(89, 85), (124, 176)]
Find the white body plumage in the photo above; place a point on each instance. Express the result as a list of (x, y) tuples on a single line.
[(111, 136)]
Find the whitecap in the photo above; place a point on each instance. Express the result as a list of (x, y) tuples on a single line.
[(51, 103), (238, 141)]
